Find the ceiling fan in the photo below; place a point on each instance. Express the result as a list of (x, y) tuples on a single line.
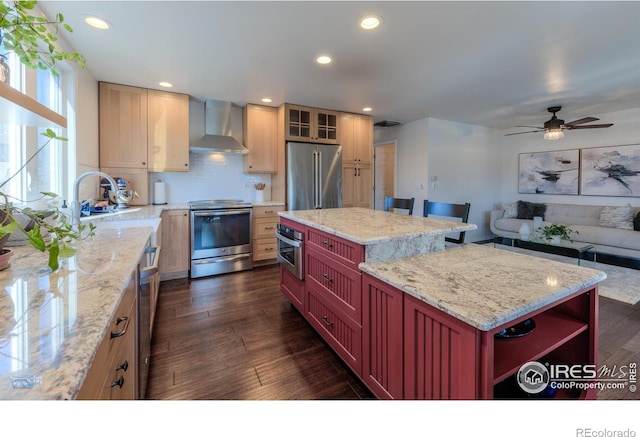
[(553, 128)]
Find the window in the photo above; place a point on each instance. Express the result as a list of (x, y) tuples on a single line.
[(47, 171)]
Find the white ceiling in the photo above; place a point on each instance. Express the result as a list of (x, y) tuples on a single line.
[(494, 64)]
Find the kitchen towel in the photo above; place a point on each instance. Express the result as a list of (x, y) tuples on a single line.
[(160, 193)]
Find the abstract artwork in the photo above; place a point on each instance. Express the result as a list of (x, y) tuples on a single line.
[(554, 172), (611, 171)]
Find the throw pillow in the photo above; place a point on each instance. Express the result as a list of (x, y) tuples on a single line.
[(529, 210), (619, 217), (636, 222), (510, 210)]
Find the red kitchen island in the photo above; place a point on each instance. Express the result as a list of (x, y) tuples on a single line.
[(416, 321)]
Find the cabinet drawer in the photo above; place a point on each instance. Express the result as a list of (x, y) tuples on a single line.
[(339, 284), (265, 227), (343, 334), (266, 211), (265, 249), (292, 288), (346, 252)]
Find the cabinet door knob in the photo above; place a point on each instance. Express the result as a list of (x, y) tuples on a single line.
[(186, 165), (144, 163), (119, 382)]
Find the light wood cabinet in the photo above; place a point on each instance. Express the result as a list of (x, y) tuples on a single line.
[(357, 185), (123, 126), (356, 139), (265, 244), (143, 130), (261, 138), (167, 131), (113, 373), (313, 125), (176, 248)]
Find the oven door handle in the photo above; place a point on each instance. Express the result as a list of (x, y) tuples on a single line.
[(219, 213), (221, 259), (289, 241)]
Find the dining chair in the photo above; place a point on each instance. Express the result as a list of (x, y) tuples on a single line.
[(398, 203), (453, 210)]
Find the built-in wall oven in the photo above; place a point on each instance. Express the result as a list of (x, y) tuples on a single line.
[(220, 237), (291, 250)]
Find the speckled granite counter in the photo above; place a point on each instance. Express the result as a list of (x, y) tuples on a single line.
[(484, 286), (52, 323), (385, 235)]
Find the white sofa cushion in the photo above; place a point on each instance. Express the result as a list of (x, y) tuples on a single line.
[(617, 217)]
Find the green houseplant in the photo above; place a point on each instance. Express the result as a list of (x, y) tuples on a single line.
[(32, 37), (557, 230), (54, 235)]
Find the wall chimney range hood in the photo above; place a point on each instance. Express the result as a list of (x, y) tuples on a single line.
[(217, 123)]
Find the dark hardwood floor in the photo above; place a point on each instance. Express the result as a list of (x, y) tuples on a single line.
[(236, 336)]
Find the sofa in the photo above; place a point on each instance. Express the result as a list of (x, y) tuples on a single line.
[(594, 224)]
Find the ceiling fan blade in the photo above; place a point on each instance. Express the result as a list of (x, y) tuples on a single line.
[(590, 126), (581, 121), (535, 127), (528, 132)]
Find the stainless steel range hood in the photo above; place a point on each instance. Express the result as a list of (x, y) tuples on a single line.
[(218, 135)]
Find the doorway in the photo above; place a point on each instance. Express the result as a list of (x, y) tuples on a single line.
[(384, 159)]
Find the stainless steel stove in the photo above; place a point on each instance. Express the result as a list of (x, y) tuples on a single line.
[(221, 235)]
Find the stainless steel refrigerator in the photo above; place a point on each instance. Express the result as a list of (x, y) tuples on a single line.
[(314, 176)]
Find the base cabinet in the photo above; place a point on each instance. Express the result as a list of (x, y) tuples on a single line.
[(176, 252), (113, 373), (265, 246)]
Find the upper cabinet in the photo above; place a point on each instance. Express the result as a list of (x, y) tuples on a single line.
[(123, 126), (311, 124), (168, 131), (356, 138), (20, 109), (261, 138), (144, 129)]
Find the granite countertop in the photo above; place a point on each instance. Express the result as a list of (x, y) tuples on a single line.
[(366, 226), (384, 235), (483, 286)]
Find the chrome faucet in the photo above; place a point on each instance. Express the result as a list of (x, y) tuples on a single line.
[(75, 205)]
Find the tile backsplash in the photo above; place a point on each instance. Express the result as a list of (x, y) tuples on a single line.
[(211, 176)]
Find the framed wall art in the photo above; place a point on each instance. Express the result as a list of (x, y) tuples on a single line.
[(555, 172), (610, 171)]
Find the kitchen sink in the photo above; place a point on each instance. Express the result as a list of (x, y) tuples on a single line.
[(153, 223)]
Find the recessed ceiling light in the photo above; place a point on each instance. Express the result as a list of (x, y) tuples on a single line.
[(165, 84), (267, 100), (370, 22), (323, 59), (96, 22), (367, 109)]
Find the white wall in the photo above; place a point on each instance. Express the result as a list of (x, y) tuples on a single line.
[(626, 130), (464, 158)]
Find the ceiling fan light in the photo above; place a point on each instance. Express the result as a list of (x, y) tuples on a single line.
[(553, 134)]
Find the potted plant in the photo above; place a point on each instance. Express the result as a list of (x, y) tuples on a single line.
[(33, 37), (556, 232), (54, 235)]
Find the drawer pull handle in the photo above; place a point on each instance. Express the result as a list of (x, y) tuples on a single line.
[(268, 212), (327, 278), (326, 321), (326, 244), (124, 366), (124, 331), (269, 228), (119, 382), (268, 249)]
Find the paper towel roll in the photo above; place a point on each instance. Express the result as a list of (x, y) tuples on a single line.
[(160, 193)]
